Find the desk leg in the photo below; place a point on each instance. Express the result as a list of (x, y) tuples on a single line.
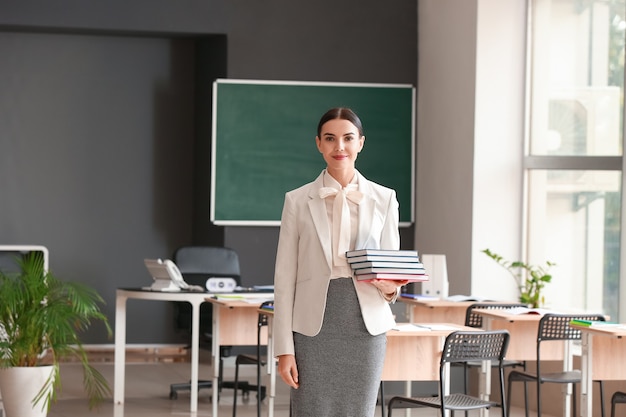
[(586, 383), (484, 378), (119, 371), (408, 391), (568, 364), (271, 362), (484, 385), (410, 313), (195, 355), (271, 366), (215, 353), (446, 388)]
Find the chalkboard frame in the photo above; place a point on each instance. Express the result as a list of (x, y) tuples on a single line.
[(257, 153)]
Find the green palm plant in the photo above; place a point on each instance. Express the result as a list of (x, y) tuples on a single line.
[(41, 319), (530, 279)]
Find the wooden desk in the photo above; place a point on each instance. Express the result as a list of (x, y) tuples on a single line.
[(234, 323), (434, 310), (603, 352), (523, 329), (414, 355)]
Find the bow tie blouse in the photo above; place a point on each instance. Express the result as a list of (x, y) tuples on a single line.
[(342, 208)]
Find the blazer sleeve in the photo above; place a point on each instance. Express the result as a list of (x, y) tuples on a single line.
[(391, 235), (285, 279)]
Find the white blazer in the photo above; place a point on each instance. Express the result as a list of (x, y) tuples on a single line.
[(304, 260)]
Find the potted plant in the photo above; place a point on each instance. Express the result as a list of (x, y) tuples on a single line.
[(41, 319), (530, 279)]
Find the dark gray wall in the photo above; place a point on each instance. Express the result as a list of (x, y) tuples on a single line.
[(105, 122)]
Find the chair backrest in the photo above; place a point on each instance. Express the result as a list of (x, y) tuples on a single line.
[(463, 346), (197, 264), (263, 318), (473, 319), (554, 327), (263, 321)]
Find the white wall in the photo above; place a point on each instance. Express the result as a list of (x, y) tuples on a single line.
[(445, 139), (498, 143), (470, 135)]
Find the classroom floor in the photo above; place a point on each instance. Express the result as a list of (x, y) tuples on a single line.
[(147, 394)]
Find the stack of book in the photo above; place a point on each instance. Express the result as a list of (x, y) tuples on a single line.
[(403, 265)]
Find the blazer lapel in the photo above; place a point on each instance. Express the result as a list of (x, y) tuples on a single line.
[(317, 207), (366, 214)]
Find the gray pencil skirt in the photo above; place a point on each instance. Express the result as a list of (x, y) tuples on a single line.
[(339, 369)]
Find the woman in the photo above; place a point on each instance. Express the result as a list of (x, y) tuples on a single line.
[(329, 329)]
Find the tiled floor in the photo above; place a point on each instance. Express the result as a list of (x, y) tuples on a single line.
[(147, 394)]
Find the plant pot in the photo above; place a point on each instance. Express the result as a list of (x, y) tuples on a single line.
[(19, 386)]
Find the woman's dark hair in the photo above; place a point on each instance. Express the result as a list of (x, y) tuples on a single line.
[(341, 113)]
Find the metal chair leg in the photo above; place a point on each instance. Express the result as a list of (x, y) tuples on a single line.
[(382, 399)]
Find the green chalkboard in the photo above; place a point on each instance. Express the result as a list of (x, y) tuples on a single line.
[(264, 143)]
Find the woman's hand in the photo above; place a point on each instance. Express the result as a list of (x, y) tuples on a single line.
[(388, 286), (288, 370)]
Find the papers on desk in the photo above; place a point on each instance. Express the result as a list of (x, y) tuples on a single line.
[(461, 297), (413, 327), (409, 327), (419, 296), (252, 298), (526, 310)]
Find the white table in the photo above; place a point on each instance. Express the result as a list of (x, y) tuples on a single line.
[(195, 299), (234, 323)]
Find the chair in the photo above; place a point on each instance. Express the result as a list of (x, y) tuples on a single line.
[(381, 392), (248, 359), (617, 398), (460, 347), (197, 264), (553, 327), (472, 319)]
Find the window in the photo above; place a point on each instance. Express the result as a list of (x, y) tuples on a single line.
[(573, 161)]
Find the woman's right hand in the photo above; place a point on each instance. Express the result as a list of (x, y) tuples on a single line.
[(288, 370)]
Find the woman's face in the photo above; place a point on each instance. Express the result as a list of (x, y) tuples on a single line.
[(339, 143)]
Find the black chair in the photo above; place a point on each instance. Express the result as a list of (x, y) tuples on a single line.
[(473, 319), (381, 392), (618, 397), (249, 359), (554, 327), (459, 347), (197, 264)]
